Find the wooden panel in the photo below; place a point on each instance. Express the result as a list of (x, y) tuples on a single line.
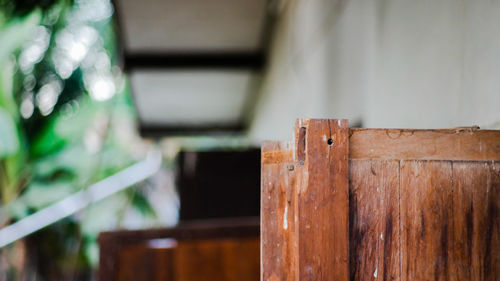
[(114, 244), (323, 206), (452, 144), (277, 215), (217, 260), (374, 220), (140, 262), (461, 144), (476, 229), (422, 204), (426, 219), (191, 260)]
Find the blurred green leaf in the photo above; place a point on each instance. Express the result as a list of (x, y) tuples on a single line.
[(17, 209), (48, 142), (91, 248), (103, 215), (141, 203), (41, 195), (73, 160), (16, 32), (9, 143)]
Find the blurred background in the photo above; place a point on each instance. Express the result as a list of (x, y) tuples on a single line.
[(144, 114)]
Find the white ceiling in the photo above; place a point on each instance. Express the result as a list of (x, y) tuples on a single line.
[(187, 98), (191, 25)]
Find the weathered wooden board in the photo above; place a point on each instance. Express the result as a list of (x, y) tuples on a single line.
[(406, 144), (476, 214), (460, 144), (422, 204), (426, 220), (277, 216), (374, 220), (322, 148)]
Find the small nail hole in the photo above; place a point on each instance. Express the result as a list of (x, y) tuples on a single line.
[(330, 141)]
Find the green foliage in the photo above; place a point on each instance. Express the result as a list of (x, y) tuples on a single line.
[(10, 143), (66, 121), (20, 8)]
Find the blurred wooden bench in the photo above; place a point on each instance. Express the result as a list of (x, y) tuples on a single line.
[(209, 250)]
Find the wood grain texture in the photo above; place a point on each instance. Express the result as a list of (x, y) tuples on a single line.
[(217, 260), (476, 214), (277, 213), (406, 144), (422, 204), (282, 153), (426, 220), (461, 144), (322, 203), (374, 220)]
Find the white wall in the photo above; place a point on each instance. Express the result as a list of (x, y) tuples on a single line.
[(385, 63)]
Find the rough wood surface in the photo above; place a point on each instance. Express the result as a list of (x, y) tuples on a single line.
[(461, 144), (322, 202), (277, 215), (476, 221), (422, 204), (401, 144), (374, 220), (426, 220)]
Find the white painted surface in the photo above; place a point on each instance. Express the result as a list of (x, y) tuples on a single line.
[(186, 98), (387, 63), (192, 25)]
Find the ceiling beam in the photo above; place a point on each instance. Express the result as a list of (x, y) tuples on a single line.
[(221, 60), (153, 131)]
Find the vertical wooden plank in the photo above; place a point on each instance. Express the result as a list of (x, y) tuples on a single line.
[(476, 233), (426, 219), (374, 220), (491, 219), (469, 179), (322, 203), (277, 212)]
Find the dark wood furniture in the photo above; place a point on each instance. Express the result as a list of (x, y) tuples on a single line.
[(217, 250)]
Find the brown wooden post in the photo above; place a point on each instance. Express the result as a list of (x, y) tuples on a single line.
[(305, 207), (278, 249), (322, 150)]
